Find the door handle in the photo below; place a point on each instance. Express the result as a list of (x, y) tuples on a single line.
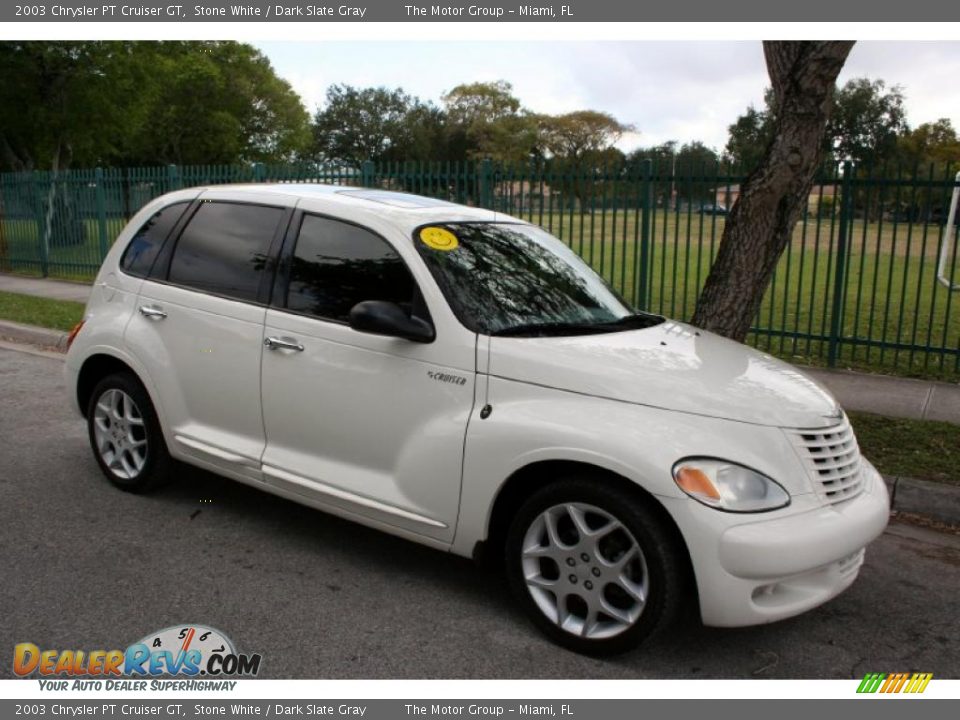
[(283, 343), (152, 312)]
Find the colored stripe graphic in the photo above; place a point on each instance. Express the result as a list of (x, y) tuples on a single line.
[(894, 683)]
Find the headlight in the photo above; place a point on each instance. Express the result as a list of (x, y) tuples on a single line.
[(727, 486)]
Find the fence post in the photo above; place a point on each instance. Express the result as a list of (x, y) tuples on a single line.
[(486, 183), (646, 187), (41, 224), (368, 173), (173, 178), (836, 314), (4, 248), (259, 173), (101, 213)]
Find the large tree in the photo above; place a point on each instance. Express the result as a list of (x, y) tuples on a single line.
[(486, 120), (694, 164), (772, 198), (360, 124), (581, 135), (62, 102), (219, 102), (748, 139), (866, 120), (928, 144), (127, 103)]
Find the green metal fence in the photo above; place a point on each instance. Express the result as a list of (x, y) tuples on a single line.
[(856, 286)]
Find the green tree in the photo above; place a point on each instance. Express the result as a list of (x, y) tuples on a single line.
[(220, 102), (748, 139), (580, 136), (695, 163), (931, 151), (866, 121), (663, 160), (479, 103), (359, 124), (485, 120), (928, 144), (91, 103), (581, 145), (66, 102)]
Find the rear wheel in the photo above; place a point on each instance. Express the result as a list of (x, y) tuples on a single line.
[(125, 434), (594, 568)]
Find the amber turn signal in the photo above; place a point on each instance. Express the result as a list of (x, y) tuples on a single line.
[(696, 482)]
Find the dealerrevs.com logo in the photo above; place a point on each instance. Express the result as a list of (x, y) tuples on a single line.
[(188, 650)]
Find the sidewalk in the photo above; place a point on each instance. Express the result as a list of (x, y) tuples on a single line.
[(878, 394), (44, 287), (892, 396)]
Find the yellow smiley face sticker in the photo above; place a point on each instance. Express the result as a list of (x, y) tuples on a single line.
[(439, 239)]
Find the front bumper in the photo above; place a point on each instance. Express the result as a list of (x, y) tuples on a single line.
[(759, 568)]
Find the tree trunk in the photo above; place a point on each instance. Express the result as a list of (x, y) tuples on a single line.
[(772, 198)]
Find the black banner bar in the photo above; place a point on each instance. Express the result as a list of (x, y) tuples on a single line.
[(108, 708), (414, 11)]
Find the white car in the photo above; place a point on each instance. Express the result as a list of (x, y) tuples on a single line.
[(462, 379)]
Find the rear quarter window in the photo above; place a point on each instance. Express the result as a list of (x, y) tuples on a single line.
[(145, 246)]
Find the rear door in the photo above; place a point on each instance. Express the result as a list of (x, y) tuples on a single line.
[(199, 331)]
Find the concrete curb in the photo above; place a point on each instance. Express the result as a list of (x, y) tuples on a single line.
[(33, 335), (922, 497), (935, 500)]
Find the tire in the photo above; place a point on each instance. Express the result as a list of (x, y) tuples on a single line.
[(595, 569), (125, 434)]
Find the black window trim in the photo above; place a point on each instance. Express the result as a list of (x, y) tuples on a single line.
[(281, 287), (160, 272)]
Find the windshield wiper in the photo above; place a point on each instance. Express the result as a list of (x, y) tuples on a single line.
[(627, 322)]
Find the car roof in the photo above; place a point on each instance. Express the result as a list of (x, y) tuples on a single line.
[(402, 208)]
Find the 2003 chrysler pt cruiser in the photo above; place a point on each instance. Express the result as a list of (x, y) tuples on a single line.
[(462, 379)]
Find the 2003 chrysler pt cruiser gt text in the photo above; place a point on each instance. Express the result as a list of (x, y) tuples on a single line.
[(462, 379)]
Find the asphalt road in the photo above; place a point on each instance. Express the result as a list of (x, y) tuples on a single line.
[(87, 566)]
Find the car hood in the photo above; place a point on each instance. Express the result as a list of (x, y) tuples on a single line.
[(672, 366)]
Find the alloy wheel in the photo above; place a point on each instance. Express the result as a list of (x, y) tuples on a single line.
[(120, 434), (584, 570)]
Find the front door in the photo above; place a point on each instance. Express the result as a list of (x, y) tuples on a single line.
[(368, 425)]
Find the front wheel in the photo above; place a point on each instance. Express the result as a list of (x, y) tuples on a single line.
[(125, 434), (593, 566)]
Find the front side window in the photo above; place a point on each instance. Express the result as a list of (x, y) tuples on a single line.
[(512, 279), (223, 250), (145, 246), (336, 265)]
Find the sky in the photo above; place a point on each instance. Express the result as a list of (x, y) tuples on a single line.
[(673, 90)]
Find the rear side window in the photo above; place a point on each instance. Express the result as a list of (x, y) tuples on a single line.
[(223, 250), (336, 265), (145, 246)]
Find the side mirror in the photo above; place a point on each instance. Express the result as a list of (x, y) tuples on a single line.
[(379, 317)]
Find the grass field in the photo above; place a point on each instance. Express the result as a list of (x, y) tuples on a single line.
[(895, 316), (44, 312), (923, 449)]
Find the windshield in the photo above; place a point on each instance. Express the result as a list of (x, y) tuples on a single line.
[(512, 279)]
